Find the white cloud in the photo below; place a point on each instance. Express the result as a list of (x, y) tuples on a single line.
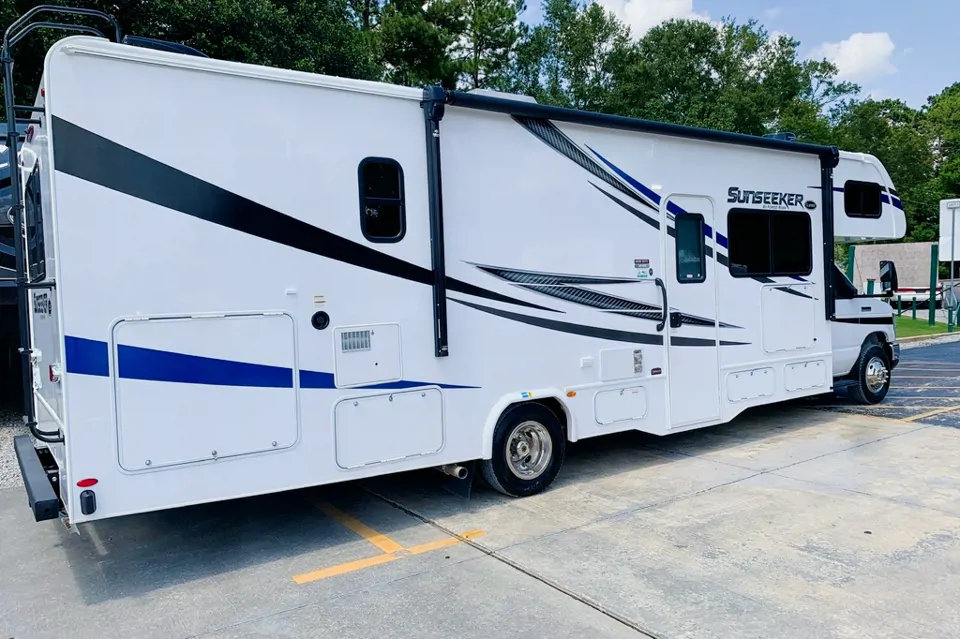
[(908, 51), (862, 56), (643, 15), (772, 13)]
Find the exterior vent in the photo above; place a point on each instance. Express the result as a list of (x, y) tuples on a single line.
[(351, 341)]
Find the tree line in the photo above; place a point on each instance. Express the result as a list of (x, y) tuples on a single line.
[(735, 75)]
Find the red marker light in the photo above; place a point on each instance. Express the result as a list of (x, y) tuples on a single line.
[(87, 483)]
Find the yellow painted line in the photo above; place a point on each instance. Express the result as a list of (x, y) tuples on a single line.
[(379, 540), (442, 543), (360, 564), (939, 411), (350, 566)]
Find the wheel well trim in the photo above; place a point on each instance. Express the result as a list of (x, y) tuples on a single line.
[(545, 397)]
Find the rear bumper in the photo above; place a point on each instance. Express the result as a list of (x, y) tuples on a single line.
[(42, 498)]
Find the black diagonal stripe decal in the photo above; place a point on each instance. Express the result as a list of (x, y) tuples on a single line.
[(91, 157), (572, 288), (787, 289), (536, 278), (547, 132), (573, 329), (594, 331)]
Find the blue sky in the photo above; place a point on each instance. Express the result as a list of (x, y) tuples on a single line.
[(906, 49)]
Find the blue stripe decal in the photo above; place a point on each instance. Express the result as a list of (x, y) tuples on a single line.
[(87, 357), (629, 180), (722, 240), (91, 357), (671, 207)]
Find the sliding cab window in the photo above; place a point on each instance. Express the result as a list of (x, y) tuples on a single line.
[(33, 210), (691, 265), (769, 243), (862, 199), (382, 211)]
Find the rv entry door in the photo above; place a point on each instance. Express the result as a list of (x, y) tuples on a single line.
[(692, 333)]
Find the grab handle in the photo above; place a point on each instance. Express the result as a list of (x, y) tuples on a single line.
[(666, 308)]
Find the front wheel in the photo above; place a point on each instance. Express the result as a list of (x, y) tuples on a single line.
[(872, 375), (528, 450)]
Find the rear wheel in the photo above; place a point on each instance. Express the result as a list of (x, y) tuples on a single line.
[(528, 450), (872, 375)]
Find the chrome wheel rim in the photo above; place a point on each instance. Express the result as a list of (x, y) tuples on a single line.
[(876, 374), (529, 450)]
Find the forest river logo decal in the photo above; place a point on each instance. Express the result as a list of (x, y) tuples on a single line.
[(42, 305), (777, 200)]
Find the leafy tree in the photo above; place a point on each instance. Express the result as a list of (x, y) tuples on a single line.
[(574, 57), (308, 35), (491, 31), (416, 41)]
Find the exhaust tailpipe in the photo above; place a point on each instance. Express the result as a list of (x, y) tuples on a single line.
[(454, 470)]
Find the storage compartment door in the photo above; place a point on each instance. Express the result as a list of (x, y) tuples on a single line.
[(381, 428), (194, 389)]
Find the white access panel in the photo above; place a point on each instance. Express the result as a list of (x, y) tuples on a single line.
[(789, 320), (621, 363), (804, 375), (367, 355), (759, 382), (381, 428), (620, 405), (203, 388)]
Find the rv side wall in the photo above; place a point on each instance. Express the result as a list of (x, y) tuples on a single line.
[(243, 318)]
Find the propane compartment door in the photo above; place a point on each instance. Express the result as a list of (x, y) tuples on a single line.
[(194, 389)]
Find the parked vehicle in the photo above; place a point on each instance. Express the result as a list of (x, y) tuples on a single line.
[(405, 279)]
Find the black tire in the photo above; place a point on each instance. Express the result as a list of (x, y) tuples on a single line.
[(541, 425), (870, 357)]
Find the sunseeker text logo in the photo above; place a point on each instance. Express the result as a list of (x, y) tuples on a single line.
[(768, 199)]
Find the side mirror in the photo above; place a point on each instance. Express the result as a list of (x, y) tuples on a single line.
[(888, 277)]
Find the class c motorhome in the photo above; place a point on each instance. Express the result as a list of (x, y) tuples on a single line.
[(404, 279)]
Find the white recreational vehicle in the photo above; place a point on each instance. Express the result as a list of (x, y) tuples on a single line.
[(405, 279)]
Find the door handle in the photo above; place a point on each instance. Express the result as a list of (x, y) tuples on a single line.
[(676, 319), (666, 308)]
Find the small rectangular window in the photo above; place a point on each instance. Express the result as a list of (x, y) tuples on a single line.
[(33, 210), (382, 214), (769, 243), (862, 199), (691, 266)]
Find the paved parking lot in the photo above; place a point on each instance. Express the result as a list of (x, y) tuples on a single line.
[(925, 388), (799, 521)]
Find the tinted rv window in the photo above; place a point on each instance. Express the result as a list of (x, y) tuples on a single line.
[(690, 262), (748, 236), (382, 215), (862, 199), (769, 243), (36, 262)]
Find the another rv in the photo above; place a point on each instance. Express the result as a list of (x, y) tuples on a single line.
[(406, 279)]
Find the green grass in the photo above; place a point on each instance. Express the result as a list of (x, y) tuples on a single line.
[(909, 327)]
